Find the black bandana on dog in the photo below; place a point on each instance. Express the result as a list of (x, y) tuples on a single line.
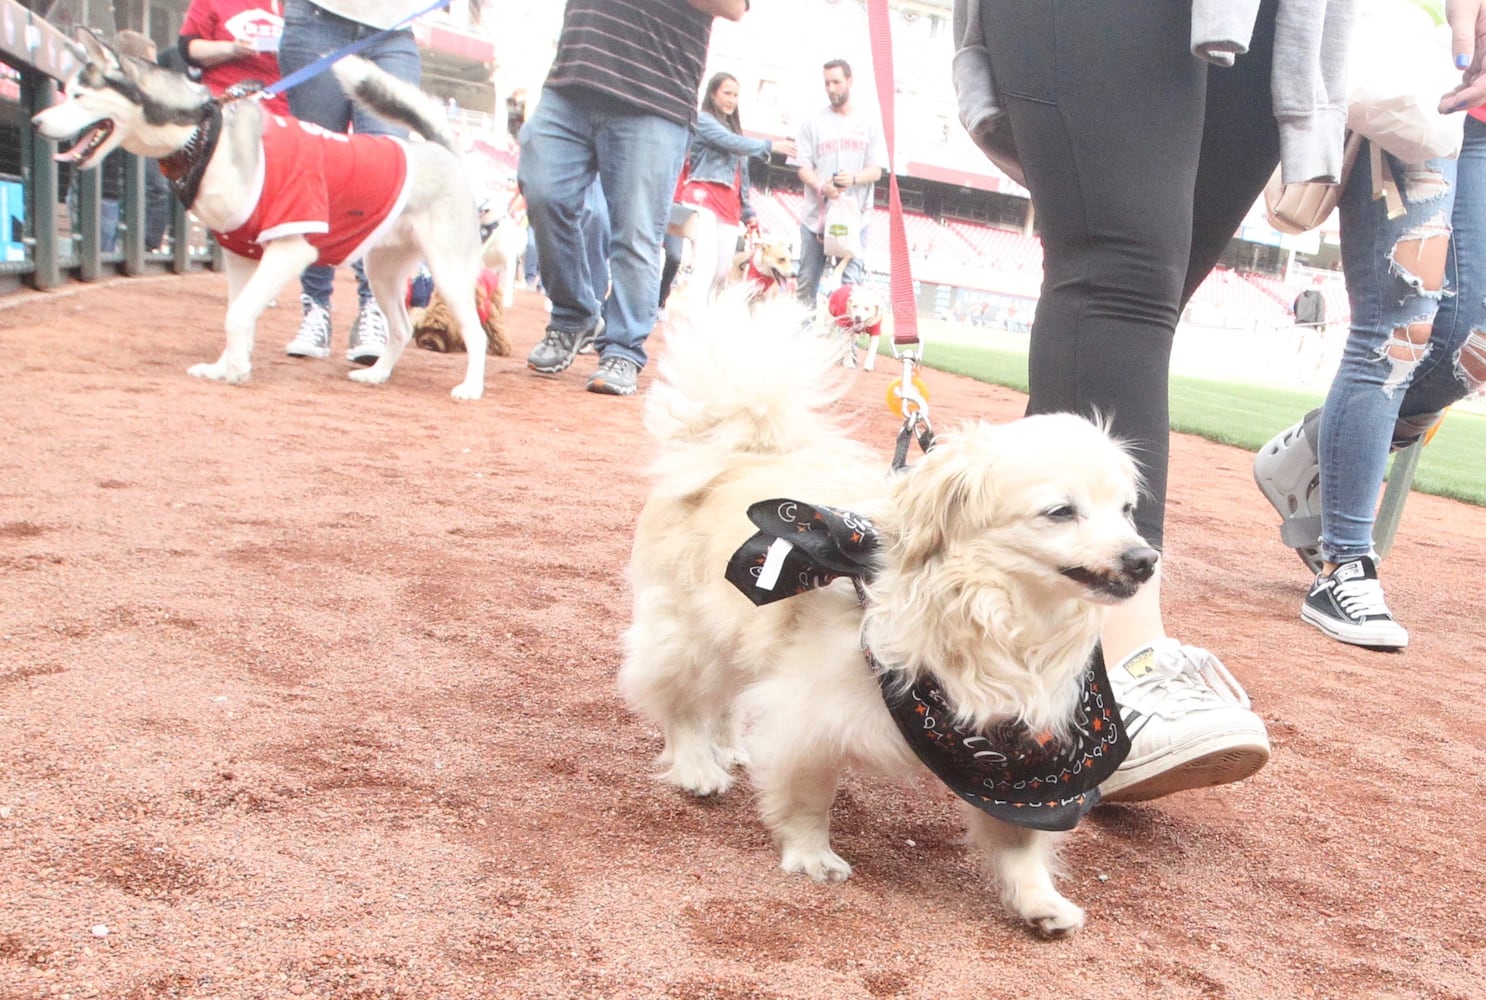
[(1007, 771)]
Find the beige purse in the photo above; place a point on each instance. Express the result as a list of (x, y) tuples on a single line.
[(1299, 208)]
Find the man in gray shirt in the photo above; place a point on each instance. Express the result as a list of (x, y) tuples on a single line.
[(842, 154)]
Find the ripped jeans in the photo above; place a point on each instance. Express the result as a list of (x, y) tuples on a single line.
[(1417, 286)]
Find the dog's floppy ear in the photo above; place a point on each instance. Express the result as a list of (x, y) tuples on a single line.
[(933, 499), (95, 49)]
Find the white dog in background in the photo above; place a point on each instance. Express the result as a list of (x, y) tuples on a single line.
[(1000, 554), (504, 247)]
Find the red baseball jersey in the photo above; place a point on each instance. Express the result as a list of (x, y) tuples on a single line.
[(337, 191)]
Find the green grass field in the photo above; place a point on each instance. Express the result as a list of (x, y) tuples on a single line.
[(1247, 416)]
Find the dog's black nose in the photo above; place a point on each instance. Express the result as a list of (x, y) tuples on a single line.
[(1139, 563)]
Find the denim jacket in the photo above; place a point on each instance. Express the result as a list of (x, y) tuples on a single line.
[(717, 153)]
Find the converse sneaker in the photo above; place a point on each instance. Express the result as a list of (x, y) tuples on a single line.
[(616, 377), (1189, 722), (313, 338), (1347, 604), (368, 336), (559, 347)]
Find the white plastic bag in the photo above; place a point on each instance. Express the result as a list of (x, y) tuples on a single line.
[(843, 228), (1399, 67)]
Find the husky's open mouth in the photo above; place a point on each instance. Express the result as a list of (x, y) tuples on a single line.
[(80, 154)]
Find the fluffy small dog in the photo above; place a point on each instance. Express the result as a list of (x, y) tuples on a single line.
[(996, 560), (435, 327)]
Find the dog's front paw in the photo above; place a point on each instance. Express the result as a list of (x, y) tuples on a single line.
[(464, 391), (823, 865), (700, 777), (1049, 913), (217, 371), (369, 376)]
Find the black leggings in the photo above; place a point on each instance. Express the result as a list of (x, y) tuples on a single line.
[(1142, 162)]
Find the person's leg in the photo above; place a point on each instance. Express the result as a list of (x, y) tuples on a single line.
[(1239, 150), (1455, 366), (396, 54), (639, 158), (727, 249), (703, 259), (596, 241), (308, 34), (555, 171), (1108, 105), (812, 264), (674, 248), (108, 225), (1395, 273)]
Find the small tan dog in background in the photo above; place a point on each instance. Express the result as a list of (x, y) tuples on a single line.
[(766, 267), (1001, 553)]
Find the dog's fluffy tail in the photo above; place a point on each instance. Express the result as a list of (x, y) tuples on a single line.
[(395, 100), (747, 379)]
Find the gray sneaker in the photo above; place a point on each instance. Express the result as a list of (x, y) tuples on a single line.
[(368, 336), (313, 338), (559, 347), (616, 377)]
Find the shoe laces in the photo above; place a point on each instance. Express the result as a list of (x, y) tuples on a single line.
[(1361, 598), (617, 365), (371, 327), (1184, 678), (316, 321)]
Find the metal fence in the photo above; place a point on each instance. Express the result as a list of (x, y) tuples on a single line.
[(43, 244)]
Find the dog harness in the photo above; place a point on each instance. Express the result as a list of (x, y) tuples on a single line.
[(1007, 771), (337, 191)]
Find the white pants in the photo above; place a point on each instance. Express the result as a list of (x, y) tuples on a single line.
[(712, 251)]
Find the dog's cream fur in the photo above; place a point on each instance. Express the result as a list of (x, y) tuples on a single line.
[(1002, 551), (438, 222), (502, 250)]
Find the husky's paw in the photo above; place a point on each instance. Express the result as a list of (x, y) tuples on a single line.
[(1047, 912), (822, 865), (217, 371), (369, 376), (467, 392)]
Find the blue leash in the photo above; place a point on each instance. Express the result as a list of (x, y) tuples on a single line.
[(324, 62)]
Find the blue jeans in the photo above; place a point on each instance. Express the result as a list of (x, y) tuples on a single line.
[(108, 219), (309, 33), (813, 266), (1415, 346), (573, 137)]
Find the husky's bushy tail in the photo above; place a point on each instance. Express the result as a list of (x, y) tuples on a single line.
[(742, 379), (395, 100)]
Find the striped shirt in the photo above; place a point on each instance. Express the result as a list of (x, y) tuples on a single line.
[(645, 53)]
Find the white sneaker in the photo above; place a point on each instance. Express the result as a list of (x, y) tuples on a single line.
[(1189, 721), (313, 338), (368, 336)]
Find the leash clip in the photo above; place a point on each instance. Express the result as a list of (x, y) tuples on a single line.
[(909, 398)]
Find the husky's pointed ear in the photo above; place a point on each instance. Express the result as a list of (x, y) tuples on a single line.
[(95, 48)]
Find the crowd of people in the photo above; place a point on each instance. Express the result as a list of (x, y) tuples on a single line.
[(1143, 151)]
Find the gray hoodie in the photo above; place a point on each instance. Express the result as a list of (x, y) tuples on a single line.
[(1308, 82)]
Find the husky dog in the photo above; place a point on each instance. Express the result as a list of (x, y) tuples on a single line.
[(281, 195)]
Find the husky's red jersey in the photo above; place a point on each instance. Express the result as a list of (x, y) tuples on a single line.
[(337, 191)]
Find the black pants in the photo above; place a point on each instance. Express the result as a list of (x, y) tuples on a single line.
[(1142, 162)]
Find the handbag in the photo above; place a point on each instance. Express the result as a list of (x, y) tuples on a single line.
[(1299, 208), (1402, 58), (843, 228)]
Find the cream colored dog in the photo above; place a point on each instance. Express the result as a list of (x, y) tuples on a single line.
[(999, 555)]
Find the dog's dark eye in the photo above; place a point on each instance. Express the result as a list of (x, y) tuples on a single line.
[(1062, 512), (1129, 512)]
